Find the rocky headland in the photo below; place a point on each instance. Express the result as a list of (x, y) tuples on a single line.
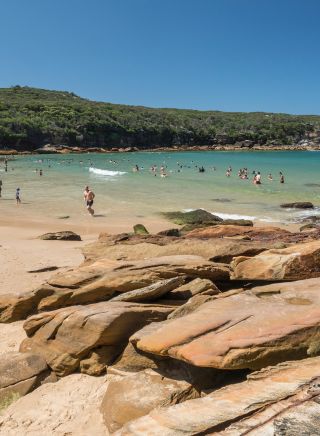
[(209, 328)]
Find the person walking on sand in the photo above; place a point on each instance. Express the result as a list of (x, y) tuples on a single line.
[(18, 199), (88, 196)]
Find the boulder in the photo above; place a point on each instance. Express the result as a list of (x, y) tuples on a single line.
[(298, 205), (20, 373), (61, 236), (139, 229), (253, 405), (248, 329), (67, 336), (136, 395), (293, 263), (196, 286)]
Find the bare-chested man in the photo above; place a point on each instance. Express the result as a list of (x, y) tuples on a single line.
[(88, 196)]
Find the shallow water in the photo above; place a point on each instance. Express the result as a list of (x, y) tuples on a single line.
[(120, 192)]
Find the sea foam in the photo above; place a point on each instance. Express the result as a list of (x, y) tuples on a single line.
[(107, 173)]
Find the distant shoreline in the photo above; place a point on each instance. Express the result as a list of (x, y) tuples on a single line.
[(78, 150)]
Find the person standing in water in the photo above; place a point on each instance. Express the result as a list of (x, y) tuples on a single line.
[(18, 199), (88, 196), (281, 177), (0, 188)]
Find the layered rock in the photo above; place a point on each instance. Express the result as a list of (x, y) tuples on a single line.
[(250, 329), (195, 287), (288, 385), (106, 278), (293, 263), (67, 336)]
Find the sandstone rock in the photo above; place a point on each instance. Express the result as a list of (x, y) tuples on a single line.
[(298, 205), (154, 291), (261, 397), (132, 360), (67, 336), (136, 395), (251, 329), (68, 407), (139, 229), (133, 248), (96, 363), (221, 231), (61, 236), (105, 278), (19, 374), (196, 286), (292, 263)]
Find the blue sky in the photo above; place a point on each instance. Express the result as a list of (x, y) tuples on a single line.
[(233, 55)]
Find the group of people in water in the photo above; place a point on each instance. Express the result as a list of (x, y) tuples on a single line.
[(256, 179)]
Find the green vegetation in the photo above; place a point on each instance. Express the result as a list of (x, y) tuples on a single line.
[(31, 118)]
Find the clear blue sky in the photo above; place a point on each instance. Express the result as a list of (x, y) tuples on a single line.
[(234, 55)]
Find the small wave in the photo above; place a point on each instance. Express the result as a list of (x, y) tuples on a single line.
[(108, 173), (233, 216)]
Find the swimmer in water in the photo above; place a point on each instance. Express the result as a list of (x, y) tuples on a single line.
[(270, 177), (281, 177)]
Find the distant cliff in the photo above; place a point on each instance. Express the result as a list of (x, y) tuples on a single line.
[(31, 118)]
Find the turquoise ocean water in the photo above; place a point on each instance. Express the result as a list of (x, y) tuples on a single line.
[(120, 192)]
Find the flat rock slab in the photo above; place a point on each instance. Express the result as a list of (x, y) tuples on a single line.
[(251, 329), (67, 336), (286, 382), (293, 263)]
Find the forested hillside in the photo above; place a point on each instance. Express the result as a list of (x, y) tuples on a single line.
[(31, 118)]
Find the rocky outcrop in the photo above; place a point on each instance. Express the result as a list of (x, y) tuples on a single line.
[(136, 395), (67, 336), (264, 401), (105, 278), (250, 329), (292, 263), (61, 236), (20, 374)]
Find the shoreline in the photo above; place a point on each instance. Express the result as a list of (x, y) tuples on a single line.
[(52, 150)]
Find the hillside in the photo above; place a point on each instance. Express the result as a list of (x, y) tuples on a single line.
[(31, 118)]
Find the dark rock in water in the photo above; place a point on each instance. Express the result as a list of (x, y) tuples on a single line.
[(241, 222), (309, 226), (61, 236), (222, 200), (312, 185), (198, 216), (139, 229), (298, 205), (312, 219), (170, 232)]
